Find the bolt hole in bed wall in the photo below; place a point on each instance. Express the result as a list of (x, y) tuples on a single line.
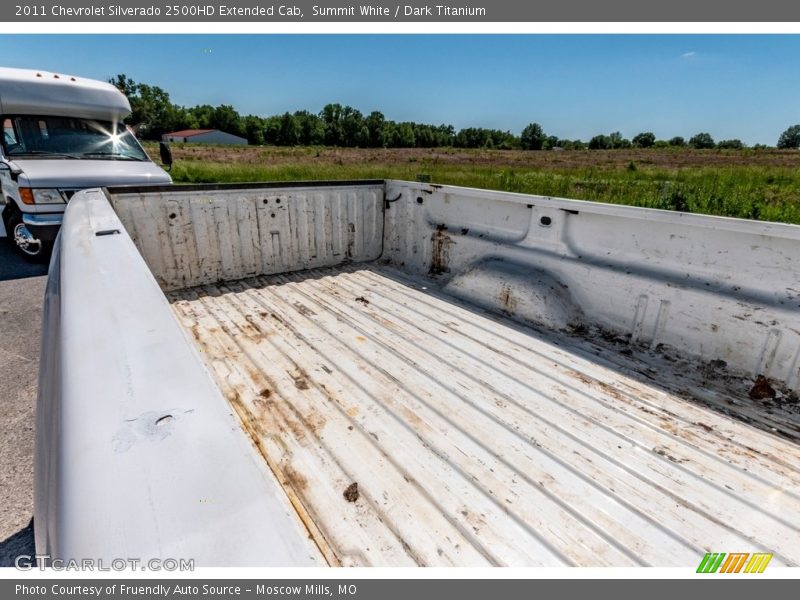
[(545, 221)]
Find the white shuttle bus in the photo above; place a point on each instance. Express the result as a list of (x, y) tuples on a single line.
[(61, 133)]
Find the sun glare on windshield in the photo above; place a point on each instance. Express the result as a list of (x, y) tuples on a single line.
[(70, 137)]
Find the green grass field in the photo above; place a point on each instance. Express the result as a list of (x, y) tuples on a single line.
[(749, 184)]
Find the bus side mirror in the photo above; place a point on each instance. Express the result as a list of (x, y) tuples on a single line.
[(166, 154), (6, 168)]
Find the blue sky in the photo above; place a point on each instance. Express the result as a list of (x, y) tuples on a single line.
[(576, 86)]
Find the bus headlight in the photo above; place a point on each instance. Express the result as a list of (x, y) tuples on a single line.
[(40, 196)]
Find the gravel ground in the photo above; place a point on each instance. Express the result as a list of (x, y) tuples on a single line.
[(21, 292)]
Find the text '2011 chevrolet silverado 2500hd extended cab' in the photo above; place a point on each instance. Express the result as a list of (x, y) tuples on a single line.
[(394, 373)]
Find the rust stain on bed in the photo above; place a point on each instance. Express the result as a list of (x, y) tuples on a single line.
[(507, 300), (440, 256), (665, 452), (608, 389), (300, 378), (256, 433), (351, 493), (304, 310), (762, 390), (252, 332), (294, 479)]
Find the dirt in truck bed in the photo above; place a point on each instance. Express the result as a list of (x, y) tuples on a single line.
[(427, 432)]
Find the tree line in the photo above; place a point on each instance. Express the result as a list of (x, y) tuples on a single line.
[(154, 114)]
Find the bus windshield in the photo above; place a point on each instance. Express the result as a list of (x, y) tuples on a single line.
[(31, 136)]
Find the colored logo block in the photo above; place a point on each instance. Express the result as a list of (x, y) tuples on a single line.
[(734, 562)]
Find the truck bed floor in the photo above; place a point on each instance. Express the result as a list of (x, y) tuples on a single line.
[(408, 428)]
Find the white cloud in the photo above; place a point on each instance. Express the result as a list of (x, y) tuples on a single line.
[(689, 54)]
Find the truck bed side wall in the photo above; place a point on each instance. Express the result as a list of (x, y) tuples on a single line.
[(708, 287), (190, 237)]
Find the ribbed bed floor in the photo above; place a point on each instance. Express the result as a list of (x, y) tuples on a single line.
[(408, 429)]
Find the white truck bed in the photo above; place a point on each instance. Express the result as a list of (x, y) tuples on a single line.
[(475, 440), (394, 373)]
